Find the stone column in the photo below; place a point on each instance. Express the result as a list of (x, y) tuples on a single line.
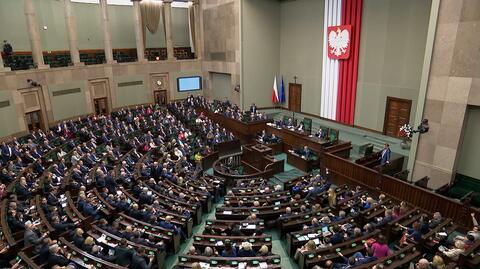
[(137, 18), (72, 33), (107, 38), (34, 34), (2, 67), (453, 85), (198, 29), (167, 13)]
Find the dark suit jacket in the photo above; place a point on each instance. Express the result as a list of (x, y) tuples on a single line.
[(123, 256), (385, 156), (57, 260), (139, 262)]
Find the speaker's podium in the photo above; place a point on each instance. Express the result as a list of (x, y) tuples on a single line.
[(302, 163)]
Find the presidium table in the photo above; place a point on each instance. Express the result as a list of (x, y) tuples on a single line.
[(245, 131), (248, 131)]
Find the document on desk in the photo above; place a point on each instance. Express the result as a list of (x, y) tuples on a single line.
[(302, 238), (263, 265), (204, 265), (312, 235), (251, 226), (227, 212)]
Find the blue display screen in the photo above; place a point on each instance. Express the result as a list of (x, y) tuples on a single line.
[(186, 84)]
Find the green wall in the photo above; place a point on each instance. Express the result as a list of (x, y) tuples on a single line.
[(260, 50), (221, 86), (301, 49), (8, 115), (470, 151), (132, 94), (14, 28), (392, 49), (50, 13), (68, 105)]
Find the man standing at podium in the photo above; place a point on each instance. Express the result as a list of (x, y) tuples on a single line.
[(385, 157)]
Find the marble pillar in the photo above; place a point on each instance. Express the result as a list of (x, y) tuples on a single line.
[(72, 33), (34, 34), (137, 19), (167, 13), (107, 38)]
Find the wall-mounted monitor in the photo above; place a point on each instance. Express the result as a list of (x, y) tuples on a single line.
[(187, 84)]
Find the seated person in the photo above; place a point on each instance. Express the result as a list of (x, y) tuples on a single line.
[(321, 134), (289, 123), (273, 139), (301, 127), (306, 153)]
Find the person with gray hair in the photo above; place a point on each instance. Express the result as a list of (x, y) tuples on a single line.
[(208, 252), (422, 264), (246, 250)]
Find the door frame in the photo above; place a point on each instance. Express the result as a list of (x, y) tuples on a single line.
[(389, 99), (42, 108), (153, 84), (107, 94)]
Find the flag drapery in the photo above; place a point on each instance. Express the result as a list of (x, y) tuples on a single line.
[(275, 98), (282, 91), (339, 76)]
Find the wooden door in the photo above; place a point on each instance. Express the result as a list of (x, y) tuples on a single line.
[(99, 90), (160, 97), (295, 97), (34, 120), (160, 88), (397, 113), (101, 106)]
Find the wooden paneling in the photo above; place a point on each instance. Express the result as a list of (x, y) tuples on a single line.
[(246, 131), (295, 97), (345, 171)]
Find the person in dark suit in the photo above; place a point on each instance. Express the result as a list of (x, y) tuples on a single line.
[(385, 157), (123, 254), (57, 257), (139, 259), (253, 108), (306, 152), (301, 127)]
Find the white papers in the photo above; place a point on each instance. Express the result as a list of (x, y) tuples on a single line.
[(263, 265), (251, 226), (312, 235), (317, 241), (204, 265), (227, 212), (219, 244)]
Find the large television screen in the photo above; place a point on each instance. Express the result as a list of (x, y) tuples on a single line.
[(186, 84)]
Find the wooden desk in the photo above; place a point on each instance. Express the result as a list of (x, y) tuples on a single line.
[(246, 131), (301, 163), (292, 139)]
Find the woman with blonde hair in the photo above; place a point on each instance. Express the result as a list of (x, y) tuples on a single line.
[(196, 265), (88, 244), (332, 197), (437, 262), (263, 251), (309, 246)]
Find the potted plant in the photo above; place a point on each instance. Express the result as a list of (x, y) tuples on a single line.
[(406, 133)]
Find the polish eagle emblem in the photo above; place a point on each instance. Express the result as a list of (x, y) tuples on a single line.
[(339, 42)]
